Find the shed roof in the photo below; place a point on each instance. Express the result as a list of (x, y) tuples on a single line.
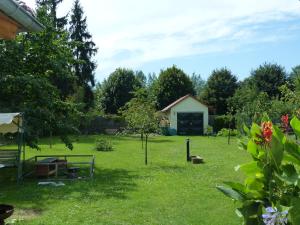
[(10, 122), (169, 107)]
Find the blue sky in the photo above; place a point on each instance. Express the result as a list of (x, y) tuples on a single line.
[(196, 35)]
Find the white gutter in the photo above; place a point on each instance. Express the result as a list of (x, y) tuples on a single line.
[(20, 15)]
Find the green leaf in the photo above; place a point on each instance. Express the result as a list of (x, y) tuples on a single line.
[(250, 169), (276, 152), (292, 149), (277, 133), (290, 175), (229, 192), (252, 148), (295, 124), (255, 130), (294, 211), (246, 129), (252, 212)]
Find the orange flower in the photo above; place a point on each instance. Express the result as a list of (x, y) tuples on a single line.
[(267, 131)]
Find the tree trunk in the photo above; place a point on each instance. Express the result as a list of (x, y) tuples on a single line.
[(50, 139), (146, 150)]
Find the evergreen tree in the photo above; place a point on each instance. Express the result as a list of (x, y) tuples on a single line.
[(83, 51)]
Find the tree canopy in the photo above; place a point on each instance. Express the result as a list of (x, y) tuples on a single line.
[(118, 89), (172, 84), (268, 78), (83, 50), (220, 86)]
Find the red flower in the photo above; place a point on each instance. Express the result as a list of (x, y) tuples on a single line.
[(285, 122), (267, 131)]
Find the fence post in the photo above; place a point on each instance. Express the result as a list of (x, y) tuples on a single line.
[(188, 158)]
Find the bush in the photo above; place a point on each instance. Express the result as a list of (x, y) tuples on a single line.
[(209, 130), (225, 132), (103, 145), (220, 122)]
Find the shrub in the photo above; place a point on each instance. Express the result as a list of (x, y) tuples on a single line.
[(225, 132), (209, 130), (270, 193), (103, 145), (222, 121)]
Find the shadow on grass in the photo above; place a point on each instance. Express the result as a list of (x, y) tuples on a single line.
[(107, 183)]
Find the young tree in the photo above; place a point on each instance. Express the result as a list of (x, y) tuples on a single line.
[(220, 86), (172, 84), (84, 49), (141, 117), (118, 89)]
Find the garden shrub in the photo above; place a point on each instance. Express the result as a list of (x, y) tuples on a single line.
[(209, 130), (103, 145), (222, 121), (270, 194), (225, 132)]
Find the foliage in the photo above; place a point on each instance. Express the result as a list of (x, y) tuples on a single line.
[(268, 78), (140, 114), (83, 51), (224, 132), (220, 122), (272, 177), (37, 79), (104, 145), (172, 84), (209, 130), (52, 8), (220, 86), (118, 89), (198, 84)]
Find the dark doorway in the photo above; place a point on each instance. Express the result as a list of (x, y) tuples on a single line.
[(190, 123)]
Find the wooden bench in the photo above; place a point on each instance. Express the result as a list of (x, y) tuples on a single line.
[(9, 158)]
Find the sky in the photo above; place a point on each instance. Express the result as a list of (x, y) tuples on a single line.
[(196, 35)]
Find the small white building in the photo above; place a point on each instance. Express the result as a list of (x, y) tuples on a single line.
[(187, 116)]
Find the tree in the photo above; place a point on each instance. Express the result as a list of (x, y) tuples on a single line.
[(198, 83), (172, 84), (268, 78), (118, 89), (295, 78), (51, 6), (220, 86), (83, 50), (141, 117), (36, 78)]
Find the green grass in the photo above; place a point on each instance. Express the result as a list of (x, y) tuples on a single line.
[(169, 191)]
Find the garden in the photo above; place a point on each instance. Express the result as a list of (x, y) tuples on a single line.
[(125, 191)]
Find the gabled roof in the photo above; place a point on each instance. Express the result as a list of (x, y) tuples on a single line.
[(169, 107)]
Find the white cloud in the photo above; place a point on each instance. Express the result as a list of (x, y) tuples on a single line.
[(133, 32)]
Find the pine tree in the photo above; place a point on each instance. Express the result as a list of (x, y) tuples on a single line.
[(84, 50)]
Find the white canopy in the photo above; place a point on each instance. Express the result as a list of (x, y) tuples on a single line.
[(10, 122)]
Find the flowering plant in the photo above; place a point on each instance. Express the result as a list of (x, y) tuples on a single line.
[(270, 194)]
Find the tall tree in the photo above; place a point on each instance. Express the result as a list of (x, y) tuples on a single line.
[(84, 50), (198, 83), (220, 86), (118, 89), (52, 5), (268, 78), (295, 78), (172, 84)]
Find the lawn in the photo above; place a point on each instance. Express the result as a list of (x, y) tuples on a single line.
[(169, 191)]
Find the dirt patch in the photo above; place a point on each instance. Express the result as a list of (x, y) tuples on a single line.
[(26, 214)]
